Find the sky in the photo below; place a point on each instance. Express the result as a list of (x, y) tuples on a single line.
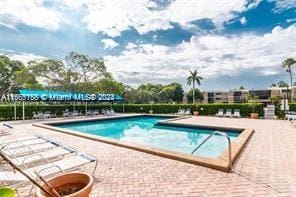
[(230, 42)]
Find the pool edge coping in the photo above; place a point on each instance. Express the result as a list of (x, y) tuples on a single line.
[(220, 163)]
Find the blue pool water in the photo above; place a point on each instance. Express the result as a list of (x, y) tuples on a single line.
[(143, 130)]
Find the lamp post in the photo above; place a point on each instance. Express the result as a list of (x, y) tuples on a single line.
[(23, 111), (123, 97)]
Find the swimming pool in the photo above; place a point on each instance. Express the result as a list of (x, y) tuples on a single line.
[(144, 130)]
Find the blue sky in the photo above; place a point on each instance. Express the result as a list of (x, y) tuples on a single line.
[(231, 43)]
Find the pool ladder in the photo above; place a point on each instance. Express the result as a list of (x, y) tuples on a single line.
[(229, 145)]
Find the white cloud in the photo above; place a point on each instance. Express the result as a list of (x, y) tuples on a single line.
[(109, 43), (219, 11), (281, 5), (212, 55), (112, 16), (243, 20), (29, 12), (291, 20), (21, 56)]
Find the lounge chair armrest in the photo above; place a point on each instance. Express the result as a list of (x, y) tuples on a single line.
[(8, 126), (32, 156), (91, 159), (70, 149), (52, 141), (88, 157), (19, 149), (49, 167)]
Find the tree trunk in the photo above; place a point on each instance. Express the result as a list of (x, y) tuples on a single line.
[(193, 94), (291, 93)]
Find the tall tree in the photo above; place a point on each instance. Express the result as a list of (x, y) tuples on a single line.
[(90, 69), (193, 77), (172, 93), (24, 78), (8, 68), (273, 85), (109, 85), (198, 95), (153, 89), (77, 73), (54, 74), (282, 84), (287, 64)]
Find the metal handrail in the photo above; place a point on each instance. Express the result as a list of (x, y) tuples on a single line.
[(229, 145)]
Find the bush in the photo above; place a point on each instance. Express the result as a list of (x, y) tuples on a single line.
[(7, 111), (281, 114), (245, 108), (292, 106)]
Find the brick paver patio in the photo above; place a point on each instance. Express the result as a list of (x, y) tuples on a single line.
[(266, 167)]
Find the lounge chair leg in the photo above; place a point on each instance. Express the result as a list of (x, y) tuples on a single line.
[(95, 168), (31, 190)]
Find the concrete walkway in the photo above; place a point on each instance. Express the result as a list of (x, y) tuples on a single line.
[(266, 167)]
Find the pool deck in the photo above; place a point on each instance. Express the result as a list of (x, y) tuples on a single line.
[(266, 166)]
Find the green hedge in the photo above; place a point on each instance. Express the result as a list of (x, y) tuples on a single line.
[(245, 108), (292, 106), (7, 111)]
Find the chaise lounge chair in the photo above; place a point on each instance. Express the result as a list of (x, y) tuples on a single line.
[(7, 140), (236, 113), (30, 149), (220, 113), (89, 113), (97, 112), (6, 129), (110, 112), (49, 169), (38, 139), (181, 112), (45, 156), (66, 113), (75, 113), (228, 113), (290, 115)]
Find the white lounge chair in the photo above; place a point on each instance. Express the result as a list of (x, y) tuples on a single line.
[(103, 111), (107, 112), (75, 113), (66, 113), (31, 149), (54, 153), (228, 113), (188, 112), (96, 112), (6, 129), (35, 116), (15, 144), (40, 114), (291, 116), (49, 169), (181, 112), (47, 114), (110, 112), (89, 113), (236, 113), (7, 140), (220, 113)]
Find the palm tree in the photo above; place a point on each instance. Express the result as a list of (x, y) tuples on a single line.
[(287, 64), (191, 80)]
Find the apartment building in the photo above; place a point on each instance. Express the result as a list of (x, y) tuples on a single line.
[(241, 96)]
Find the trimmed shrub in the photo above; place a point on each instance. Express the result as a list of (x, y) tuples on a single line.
[(245, 108), (7, 111), (292, 106)]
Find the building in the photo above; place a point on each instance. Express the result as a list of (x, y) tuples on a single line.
[(241, 96)]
